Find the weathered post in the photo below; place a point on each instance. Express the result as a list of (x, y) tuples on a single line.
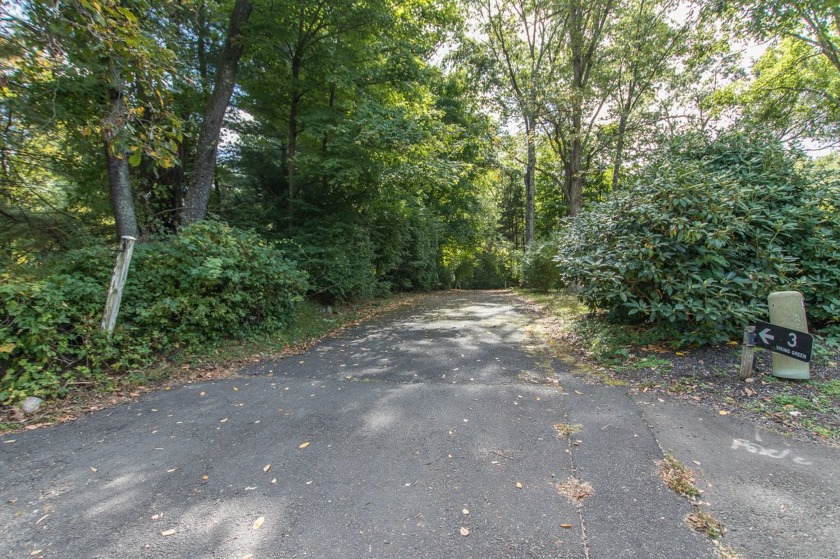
[(112, 305), (747, 353)]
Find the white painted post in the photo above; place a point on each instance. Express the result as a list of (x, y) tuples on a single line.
[(112, 305)]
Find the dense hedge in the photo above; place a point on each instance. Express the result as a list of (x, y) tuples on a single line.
[(703, 234), (210, 281)]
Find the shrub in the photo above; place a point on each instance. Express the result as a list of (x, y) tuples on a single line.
[(705, 232), (208, 282), (417, 266), (339, 258), (539, 270)]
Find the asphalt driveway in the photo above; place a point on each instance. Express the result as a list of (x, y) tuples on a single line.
[(440, 430)]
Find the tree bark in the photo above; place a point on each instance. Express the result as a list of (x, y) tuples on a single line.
[(294, 107), (619, 146), (122, 199), (204, 164), (530, 188)]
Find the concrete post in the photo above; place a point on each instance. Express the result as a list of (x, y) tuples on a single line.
[(787, 308)]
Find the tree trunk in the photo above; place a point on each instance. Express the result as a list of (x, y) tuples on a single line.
[(204, 164), (530, 189), (619, 149), (122, 199), (294, 107)]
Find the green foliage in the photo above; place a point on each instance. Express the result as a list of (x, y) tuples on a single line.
[(339, 260), (707, 230), (210, 282), (539, 271), (417, 266)]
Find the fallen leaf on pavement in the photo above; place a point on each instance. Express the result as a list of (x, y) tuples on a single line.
[(92, 469), (169, 532), (273, 481), (723, 412), (465, 532), (258, 523), (565, 525), (303, 445), (518, 485), (266, 468)]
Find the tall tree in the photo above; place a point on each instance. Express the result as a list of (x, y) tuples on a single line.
[(519, 39), (104, 70), (204, 164), (647, 44)]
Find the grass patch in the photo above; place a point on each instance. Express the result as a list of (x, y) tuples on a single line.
[(830, 389), (566, 429), (705, 523), (678, 477)]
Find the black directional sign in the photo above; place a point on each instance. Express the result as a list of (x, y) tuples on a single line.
[(783, 340)]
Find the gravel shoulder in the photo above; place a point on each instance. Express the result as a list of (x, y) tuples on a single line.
[(708, 377)]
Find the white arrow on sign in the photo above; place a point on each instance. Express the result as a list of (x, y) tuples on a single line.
[(766, 335)]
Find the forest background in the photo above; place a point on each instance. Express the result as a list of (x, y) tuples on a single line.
[(670, 162)]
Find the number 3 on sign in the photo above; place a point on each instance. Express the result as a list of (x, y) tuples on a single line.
[(792, 341)]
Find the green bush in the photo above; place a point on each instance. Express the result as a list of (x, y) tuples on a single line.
[(417, 266), (339, 258), (539, 270), (704, 233), (208, 282)]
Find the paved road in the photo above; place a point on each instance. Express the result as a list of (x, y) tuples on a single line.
[(394, 440)]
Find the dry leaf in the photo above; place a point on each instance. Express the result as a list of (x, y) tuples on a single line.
[(203, 393), (518, 485), (680, 353), (36, 552), (258, 523), (205, 477), (223, 420), (303, 445), (465, 532), (749, 392), (273, 481), (565, 525), (266, 468), (169, 532), (235, 389), (732, 342), (92, 469), (723, 412)]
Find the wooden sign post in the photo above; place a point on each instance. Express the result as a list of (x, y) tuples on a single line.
[(112, 305)]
